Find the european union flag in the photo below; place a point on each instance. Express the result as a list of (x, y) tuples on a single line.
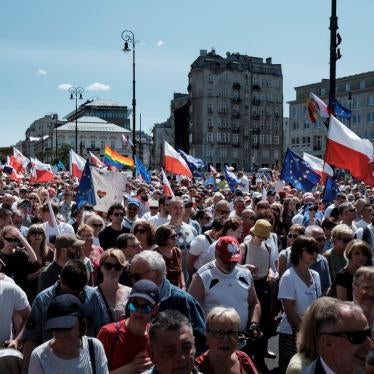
[(232, 179), (298, 173), (340, 111), (86, 191), (196, 165), (142, 170), (331, 189)]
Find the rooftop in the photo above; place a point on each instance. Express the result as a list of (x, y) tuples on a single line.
[(93, 124), (99, 102)]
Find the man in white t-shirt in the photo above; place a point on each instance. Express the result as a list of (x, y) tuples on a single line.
[(13, 302), (50, 230), (244, 181), (163, 212)]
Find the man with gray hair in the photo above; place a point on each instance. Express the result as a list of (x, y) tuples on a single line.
[(321, 266), (343, 340), (151, 265)]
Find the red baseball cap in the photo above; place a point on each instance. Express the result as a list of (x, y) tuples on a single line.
[(227, 248)]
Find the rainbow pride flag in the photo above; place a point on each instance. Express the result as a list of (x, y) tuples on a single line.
[(113, 158)]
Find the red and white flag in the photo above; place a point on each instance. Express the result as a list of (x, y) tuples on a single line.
[(321, 167), (19, 160), (348, 151), (166, 185), (174, 162), (76, 164), (213, 170), (124, 141), (317, 106), (95, 161), (40, 172)]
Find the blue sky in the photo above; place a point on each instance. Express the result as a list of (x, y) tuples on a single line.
[(46, 43)]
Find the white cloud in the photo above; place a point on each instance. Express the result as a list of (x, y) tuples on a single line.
[(160, 43), (98, 87), (41, 72), (64, 86)]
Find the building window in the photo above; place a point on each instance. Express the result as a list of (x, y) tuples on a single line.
[(210, 78), (362, 85), (93, 143), (235, 108), (317, 143), (323, 91), (210, 92), (102, 144), (210, 123), (223, 153), (276, 140), (254, 139), (356, 102), (371, 117), (265, 154), (209, 153), (262, 139), (234, 153), (371, 100), (210, 108), (235, 124), (210, 137), (246, 131), (235, 138), (113, 144), (308, 141), (246, 146), (306, 125), (268, 139), (347, 87), (276, 154), (356, 119)]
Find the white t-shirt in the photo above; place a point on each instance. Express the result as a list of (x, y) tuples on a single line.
[(292, 287), (64, 228), (44, 361), (200, 247), (12, 298), (158, 221), (245, 183)]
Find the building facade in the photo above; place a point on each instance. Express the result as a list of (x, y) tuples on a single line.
[(160, 132), (236, 110), (108, 110), (355, 92)]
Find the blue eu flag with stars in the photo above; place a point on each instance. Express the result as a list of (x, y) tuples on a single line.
[(331, 190), (298, 173), (142, 170), (86, 191)]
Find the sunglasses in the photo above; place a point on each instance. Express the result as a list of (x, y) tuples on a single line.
[(292, 236), (108, 266), (220, 334), (222, 211), (37, 233), (321, 239), (118, 214), (134, 306), (11, 240), (345, 240), (140, 231), (97, 225), (355, 337)]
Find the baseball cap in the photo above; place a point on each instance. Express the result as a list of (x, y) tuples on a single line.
[(63, 312), (146, 290), (227, 248), (153, 204), (271, 192), (134, 202), (68, 240)]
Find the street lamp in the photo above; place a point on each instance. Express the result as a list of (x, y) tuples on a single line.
[(76, 93), (128, 37)]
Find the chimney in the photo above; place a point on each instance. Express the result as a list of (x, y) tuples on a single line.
[(268, 60)]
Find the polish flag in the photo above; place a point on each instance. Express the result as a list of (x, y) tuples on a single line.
[(166, 185), (322, 108), (319, 166), (213, 170), (348, 151), (124, 141), (76, 163), (20, 160), (40, 172), (95, 161), (174, 162)]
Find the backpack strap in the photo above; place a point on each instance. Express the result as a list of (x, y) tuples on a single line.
[(91, 349), (208, 238), (106, 304), (113, 346)]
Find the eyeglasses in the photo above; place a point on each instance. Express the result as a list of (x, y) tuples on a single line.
[(140, 231), (11, 240), (118, 214), (138, 276), (355, 337), (109, 266), (292, 236), (220, 334), (134, 306), (97, 225), (345, 240)]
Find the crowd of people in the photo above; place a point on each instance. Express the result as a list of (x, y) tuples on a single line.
[(198, 282)]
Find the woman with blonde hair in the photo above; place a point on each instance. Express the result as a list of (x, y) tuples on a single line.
[(222, 333), (44, 254), (357, 253), (307, 338), (113, 295)]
